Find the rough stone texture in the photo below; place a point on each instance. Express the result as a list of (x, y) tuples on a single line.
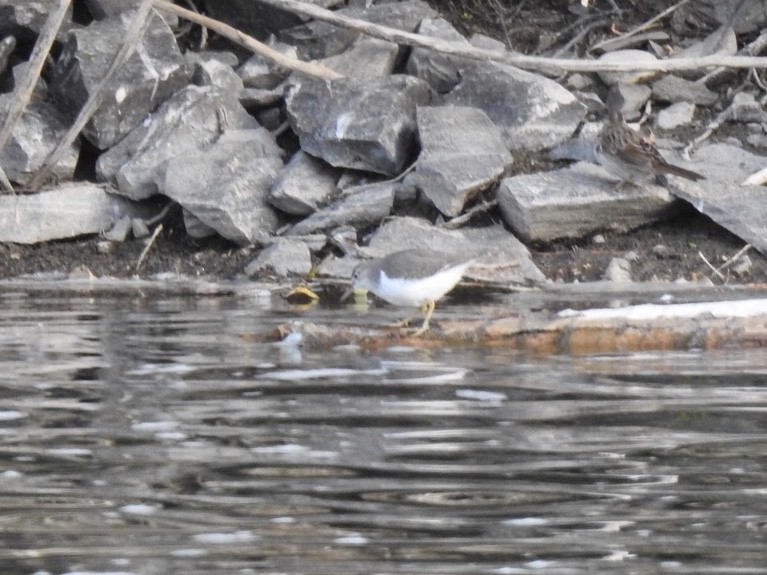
[(631, 97), (285, 257), (532, 112), (214, 72), (34, 136), (254, 18), (154, 71), (359, 124), (440, 70), (363, 206), (191, 119), (462, 153), (225, 185), (577, 201), (66, 212), (317, 40), (679, 114), (500, 257), (627, 56), (740, 209), (304, 185), (366, 58), (671, 88), (260, 72), (25, 19), (101, 9)]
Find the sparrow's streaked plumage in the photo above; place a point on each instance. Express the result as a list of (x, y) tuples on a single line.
[(632, 156)]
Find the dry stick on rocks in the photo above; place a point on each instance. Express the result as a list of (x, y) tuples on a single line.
[(315, 70), (27, 84), (135, 31), (149, 244), (605, 44), (538, 63)]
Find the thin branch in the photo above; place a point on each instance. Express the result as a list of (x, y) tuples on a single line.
[(549, 65), (604, 45), (132, 36), (146, 249), (315, 70), (27, 85)]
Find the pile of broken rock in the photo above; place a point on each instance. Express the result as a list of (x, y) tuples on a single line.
[(261, 155)]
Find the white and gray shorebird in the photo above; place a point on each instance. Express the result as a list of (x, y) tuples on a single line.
[(412, 278)]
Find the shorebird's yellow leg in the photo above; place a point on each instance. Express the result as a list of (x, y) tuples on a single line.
[(428, 307)]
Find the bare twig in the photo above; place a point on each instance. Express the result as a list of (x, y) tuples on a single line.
[(27, 85), (713, 269), (604, 45), (146, 249), (315, 70), (133, 35), (735, 258), (463, 218), (549, 65), (755, 47)]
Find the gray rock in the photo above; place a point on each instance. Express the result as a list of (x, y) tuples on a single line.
[(744, 16), (304, 185), (366, 58), (119, 231), (740, 209), (101, 9), (720, 42), (214, 72), (532, 112), (225, 184), (618, 271), (152, 73), (500, 257), (577, 201), (358, 124), (195, 227), (679, 114), (317, 40), (439, 69), (631, 97), (671, 88), (254, 18), (25, 20), (65, 212), (191, 119), (462, 153), (36, 133), (364, 206), (745, 108), (285, 257), (261, 72)]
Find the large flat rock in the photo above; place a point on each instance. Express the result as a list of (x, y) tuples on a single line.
[(576, 201), (740, 209), (500, 257), (65, 212)]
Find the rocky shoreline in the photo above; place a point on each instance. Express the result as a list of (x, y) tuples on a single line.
[(286, 175)]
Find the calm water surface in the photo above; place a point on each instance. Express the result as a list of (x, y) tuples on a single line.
[(140, 435)]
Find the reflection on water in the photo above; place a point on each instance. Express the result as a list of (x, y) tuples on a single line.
[(145, 436)]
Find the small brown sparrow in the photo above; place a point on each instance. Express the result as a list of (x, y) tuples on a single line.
[(632, 155)]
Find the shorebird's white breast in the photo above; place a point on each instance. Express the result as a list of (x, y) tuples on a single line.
[(415, 292)]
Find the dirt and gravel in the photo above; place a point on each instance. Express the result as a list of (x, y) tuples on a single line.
[(669, 250)]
